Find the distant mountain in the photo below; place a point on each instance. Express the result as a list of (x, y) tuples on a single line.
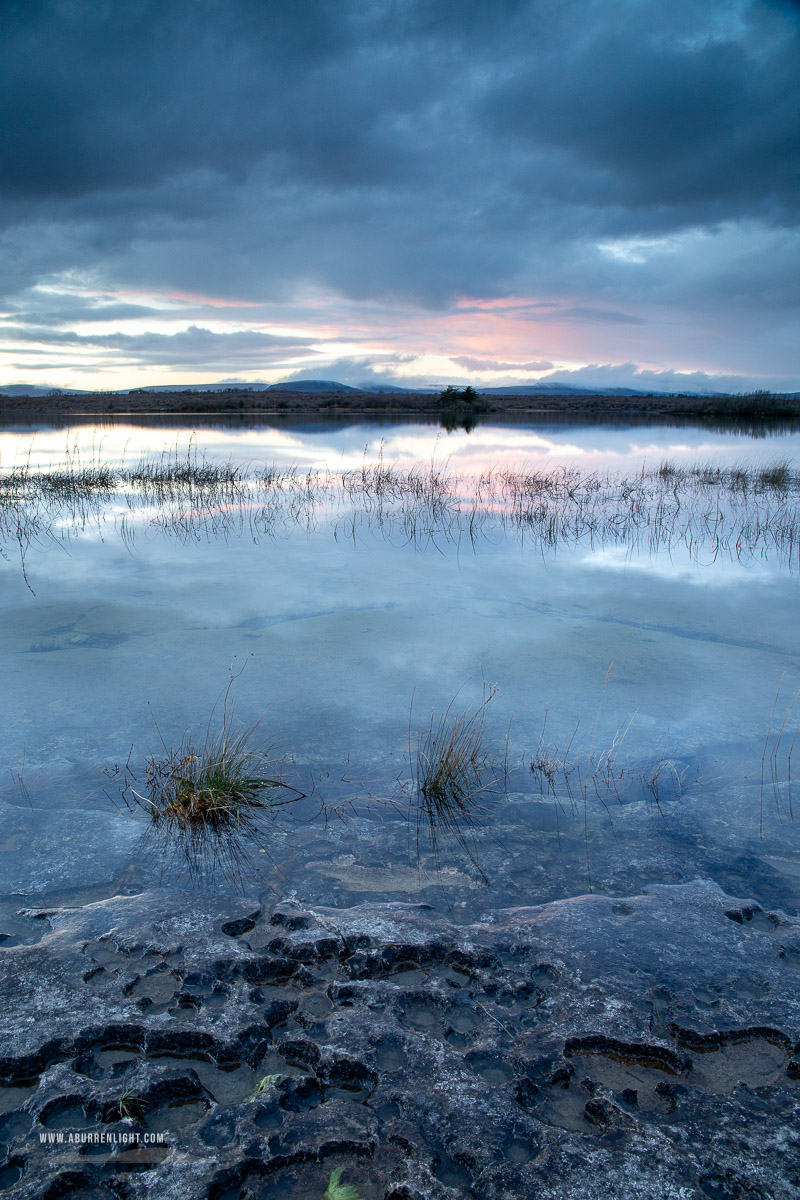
[(563, 389), (289, 385), (567, 389), (394, 389), (311, 385), (33, 389), (333, 386), (294, 385), (196, 387), (322, 385)]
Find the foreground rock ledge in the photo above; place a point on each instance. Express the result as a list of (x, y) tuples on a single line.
[(595, 1047)]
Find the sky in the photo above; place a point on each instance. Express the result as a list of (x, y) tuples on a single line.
[(412, 192)]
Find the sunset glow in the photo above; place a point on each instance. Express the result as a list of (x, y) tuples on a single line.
[(341, 210)]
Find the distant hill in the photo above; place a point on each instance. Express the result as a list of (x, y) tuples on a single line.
[(227, 385), (394, 389), (197, 387), (294, 385), (563, 389), (322, 385), (32, 389), (311, 385)]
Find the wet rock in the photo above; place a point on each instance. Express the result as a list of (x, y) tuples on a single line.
[(54, 840), (587, 1048)]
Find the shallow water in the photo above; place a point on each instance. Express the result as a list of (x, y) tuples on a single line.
[(339, 443), (648, 672)]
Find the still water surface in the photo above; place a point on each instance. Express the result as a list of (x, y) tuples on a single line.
[(652, 683)]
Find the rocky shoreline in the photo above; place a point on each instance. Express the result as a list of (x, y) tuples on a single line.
[(186, 1046)]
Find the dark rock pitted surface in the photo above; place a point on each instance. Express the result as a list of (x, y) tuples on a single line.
[(594, 1047)]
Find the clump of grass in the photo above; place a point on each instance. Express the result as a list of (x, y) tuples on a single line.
[(266, 1085), (128, 1108), (66, 485), (77, 482), (206, 802), (336, 1190), (451, 769), (173, 475), (776, 477), (210, 787), (450, 758), (552, 767), (660, 774), (739, 479)]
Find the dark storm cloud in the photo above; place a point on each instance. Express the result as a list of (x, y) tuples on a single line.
[(403, 149), (700, 116), (100, 95)]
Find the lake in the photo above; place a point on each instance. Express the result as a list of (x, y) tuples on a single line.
[(392, 811), (353, 584)]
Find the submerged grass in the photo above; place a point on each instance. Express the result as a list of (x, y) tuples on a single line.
[(576, 771), (172, 473), (776, 757), (709, 512)]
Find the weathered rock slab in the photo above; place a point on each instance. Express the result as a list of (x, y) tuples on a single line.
[(594, 1047)]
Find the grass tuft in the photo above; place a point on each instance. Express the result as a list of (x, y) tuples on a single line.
[(777, 477), (336, 1190), (206, 803), (128, 1108), (451, 768), (266, 1084), (212, 787), (451, 758)]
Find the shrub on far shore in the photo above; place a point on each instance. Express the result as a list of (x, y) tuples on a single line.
[(454, 395)]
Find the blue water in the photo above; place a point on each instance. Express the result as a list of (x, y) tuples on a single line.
[(675, 665)]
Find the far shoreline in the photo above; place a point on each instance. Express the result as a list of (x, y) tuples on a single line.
[(760, 406)]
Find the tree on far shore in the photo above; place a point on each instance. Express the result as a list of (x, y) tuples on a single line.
[(455, 395)]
